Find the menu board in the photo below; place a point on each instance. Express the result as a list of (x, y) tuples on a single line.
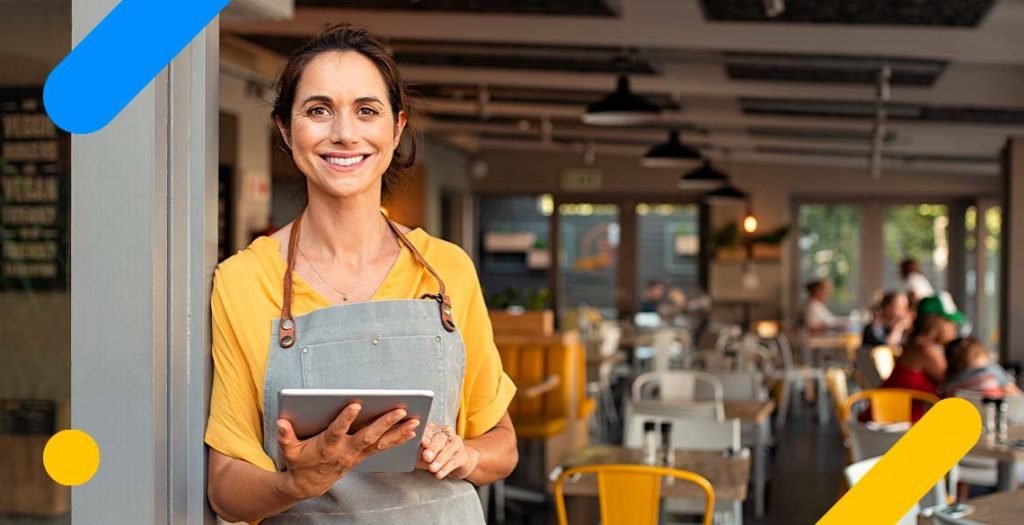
[(34, 193)]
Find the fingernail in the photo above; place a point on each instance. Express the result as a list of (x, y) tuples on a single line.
[(415, 423), (280, 430), (429, 455), (434, 467)]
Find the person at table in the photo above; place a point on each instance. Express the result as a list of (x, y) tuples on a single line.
[(653, 295), (971, 368), (891, 323), (915, 283), (817, 318), (673, 307), (922, 365)]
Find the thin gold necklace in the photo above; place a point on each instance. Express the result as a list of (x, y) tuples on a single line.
[(344, 295)]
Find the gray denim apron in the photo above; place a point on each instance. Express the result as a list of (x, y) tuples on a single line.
[(408, 344)]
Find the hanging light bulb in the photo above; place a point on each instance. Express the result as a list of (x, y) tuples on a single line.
[(750, 222)]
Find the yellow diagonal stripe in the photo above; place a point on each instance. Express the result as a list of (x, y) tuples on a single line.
[(911, 467)]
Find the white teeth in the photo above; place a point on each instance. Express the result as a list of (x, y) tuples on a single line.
[(340, 161)]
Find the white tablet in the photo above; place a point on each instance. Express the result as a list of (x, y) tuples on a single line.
[(310, 411)]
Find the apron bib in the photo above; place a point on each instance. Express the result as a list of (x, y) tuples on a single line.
[(408, 344)]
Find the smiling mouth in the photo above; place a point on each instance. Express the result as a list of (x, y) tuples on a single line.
[(345, 162)]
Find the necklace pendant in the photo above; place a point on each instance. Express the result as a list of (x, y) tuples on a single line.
[(344, 297)]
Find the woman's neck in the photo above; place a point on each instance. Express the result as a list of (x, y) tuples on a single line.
[(351, 230)]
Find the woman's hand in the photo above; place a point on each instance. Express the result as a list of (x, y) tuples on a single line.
[(443, 453), (315, 464)]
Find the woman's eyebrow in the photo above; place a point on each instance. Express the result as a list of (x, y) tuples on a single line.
[(363, 100), (316, 98)]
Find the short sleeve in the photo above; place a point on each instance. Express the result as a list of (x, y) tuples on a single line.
[(487, 390), (235, 426)]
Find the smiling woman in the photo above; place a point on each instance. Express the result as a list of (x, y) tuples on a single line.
[(356, 302)]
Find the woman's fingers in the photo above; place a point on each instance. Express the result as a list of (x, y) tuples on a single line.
[(445, 455), (286, 440), (398, 434), (436, 439), (369, 436), (457, 460), (338, 428)]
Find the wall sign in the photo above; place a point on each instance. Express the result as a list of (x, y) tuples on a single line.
[(34, 193)]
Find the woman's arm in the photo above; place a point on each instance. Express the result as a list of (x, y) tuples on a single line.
[(240, 491), (933, 362), (497, 453)]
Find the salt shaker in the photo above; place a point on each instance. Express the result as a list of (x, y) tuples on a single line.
[(650, 443)]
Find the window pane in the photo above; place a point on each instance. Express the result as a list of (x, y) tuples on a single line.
[(993, 276), (668, 244), (515, 250), (916, 231), (588, 257), (830, 249)]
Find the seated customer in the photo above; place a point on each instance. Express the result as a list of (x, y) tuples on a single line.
[(922, 365), (892, 321), (817, 318), (971, 368)]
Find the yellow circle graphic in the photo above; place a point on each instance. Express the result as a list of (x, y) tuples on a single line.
[(71, 457)]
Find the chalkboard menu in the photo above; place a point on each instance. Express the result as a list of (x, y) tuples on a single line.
[(34, 193)]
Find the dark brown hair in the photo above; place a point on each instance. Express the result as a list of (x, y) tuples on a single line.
[(960, 352), (345, 38)]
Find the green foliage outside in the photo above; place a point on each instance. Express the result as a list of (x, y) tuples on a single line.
[(829, 248)]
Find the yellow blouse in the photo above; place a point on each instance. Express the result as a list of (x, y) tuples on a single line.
[(246, 299)]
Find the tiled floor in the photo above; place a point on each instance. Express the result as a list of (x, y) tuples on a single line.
[(805, 469)]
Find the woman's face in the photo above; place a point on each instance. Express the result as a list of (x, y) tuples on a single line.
[(947, 332), (343, 132)]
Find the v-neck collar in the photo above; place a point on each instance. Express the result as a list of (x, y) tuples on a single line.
[(384, 290)]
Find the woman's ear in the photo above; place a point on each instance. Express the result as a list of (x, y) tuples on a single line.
[(284, 132), (399, 126)]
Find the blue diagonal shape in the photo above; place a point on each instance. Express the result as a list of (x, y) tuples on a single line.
[(119, 57)]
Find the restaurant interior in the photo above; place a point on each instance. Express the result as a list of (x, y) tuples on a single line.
[(711, 235)]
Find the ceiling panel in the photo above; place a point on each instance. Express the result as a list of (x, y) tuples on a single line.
[(896, 111), (532, 7), (950, 13), (831, 68)]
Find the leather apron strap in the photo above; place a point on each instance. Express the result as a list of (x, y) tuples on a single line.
[(286, 331)]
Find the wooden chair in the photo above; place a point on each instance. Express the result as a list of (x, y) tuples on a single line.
[(631, 494)]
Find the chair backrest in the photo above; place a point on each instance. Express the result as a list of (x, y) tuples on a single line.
[(741, 386), (665, 341), (867, 442), (856, 471), (726, 335), (531, 360), (678, 385), (752, 355), (630, 494), (889, 405), (785, 350), (611, 334), (835, 379), (687, 433), (884, 359)]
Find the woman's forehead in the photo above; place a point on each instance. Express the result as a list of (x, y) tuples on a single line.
[(341, 75)]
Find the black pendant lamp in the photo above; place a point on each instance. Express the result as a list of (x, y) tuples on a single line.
[(670, 154), (621, 108), (704, 177)]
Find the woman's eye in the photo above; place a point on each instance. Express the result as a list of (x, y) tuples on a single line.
[(318, 111), (367, 111)]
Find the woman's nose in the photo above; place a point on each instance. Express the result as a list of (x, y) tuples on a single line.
[(343, 130)]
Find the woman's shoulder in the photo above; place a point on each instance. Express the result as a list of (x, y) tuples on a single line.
[(255, 260), (444, 256)]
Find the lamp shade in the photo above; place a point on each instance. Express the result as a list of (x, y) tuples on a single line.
[(725, 194), (621, 108), (670, 154), (705, 176)]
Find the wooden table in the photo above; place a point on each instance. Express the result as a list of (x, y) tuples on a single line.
[(751, 413), (1007, 455), (1001, 508), (728, 475), (846, 342)]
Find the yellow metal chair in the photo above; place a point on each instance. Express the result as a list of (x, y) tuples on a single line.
[(889, 405), (630, 494), (884, 358), (835, 379)]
